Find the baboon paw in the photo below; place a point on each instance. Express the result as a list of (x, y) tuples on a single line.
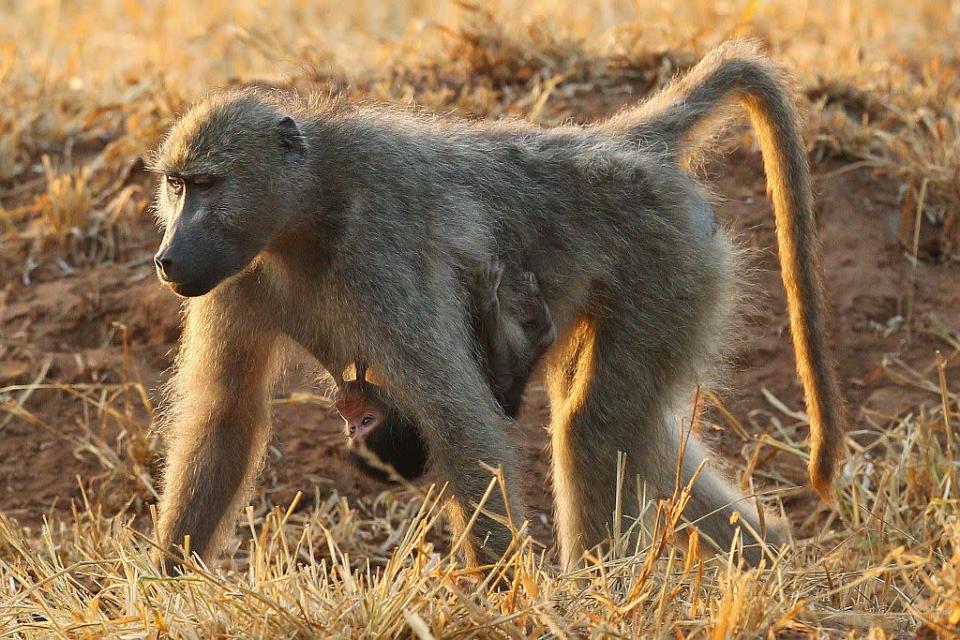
[(530, 285), (486, 285), (548, 334), (493, 274), (536, 317)]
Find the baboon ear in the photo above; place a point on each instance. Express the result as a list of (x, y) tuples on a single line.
[(291, 138)]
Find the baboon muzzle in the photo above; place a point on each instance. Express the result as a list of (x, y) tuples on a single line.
[(176, 274)]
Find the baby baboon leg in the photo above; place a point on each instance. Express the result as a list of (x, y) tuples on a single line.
[(491, 333), (512, 338), (219, 425)]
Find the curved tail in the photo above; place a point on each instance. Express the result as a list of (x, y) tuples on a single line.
[(672, 120)]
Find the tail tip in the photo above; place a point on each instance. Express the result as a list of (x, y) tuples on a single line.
[(826, 456), (821, 477)]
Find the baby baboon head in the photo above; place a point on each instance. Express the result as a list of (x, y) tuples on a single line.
[(231, 172)]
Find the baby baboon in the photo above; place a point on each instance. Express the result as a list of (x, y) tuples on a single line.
[(383, 443), (350, 230), (512, 332)]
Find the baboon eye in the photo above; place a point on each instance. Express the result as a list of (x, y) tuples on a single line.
[(367, 420), (175, 184), (203, 182)]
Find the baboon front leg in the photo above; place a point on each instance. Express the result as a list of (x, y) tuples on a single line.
[(466, 432), (217, 424), (439, 383)]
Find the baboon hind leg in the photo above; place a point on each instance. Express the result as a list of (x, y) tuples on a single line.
[(608, 395)]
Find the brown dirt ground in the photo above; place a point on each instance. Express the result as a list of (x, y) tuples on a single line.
[(69, 321)]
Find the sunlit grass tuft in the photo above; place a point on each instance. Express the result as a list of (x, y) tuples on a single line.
[(65, 206)]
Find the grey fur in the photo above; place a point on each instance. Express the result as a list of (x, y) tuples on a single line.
[(355, 239)]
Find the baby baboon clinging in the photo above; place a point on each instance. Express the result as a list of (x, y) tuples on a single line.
[(350, 230), (383, 443), (512, 329)]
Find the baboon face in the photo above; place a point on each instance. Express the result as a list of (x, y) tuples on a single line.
[(361, 412), (229, 180), (376, 429)]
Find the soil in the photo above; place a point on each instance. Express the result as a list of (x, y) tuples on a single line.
[(67, 327)]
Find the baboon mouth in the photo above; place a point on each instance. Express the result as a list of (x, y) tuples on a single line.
[(360, 433), (190, 289)]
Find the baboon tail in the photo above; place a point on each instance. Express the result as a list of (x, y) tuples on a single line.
[(736, 72)]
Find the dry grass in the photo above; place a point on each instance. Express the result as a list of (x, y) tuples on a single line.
[(87, 88), (882, 79), (372, 569)]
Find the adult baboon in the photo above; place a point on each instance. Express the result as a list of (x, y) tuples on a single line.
[(512, 329), (350, 230)]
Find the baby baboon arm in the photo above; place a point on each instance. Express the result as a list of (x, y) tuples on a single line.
[(497, 355), (219, 423), (536, 323), (510, 352)]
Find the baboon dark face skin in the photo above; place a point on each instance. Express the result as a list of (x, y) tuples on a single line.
[(217, 215), (199, 249)]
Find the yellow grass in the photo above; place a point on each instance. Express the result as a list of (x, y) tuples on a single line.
[(87, 88), (372, 570)]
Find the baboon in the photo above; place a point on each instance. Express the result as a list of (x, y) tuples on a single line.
[(512, 329), (350, 230)]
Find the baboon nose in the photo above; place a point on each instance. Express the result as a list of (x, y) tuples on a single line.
[(164, 264)]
